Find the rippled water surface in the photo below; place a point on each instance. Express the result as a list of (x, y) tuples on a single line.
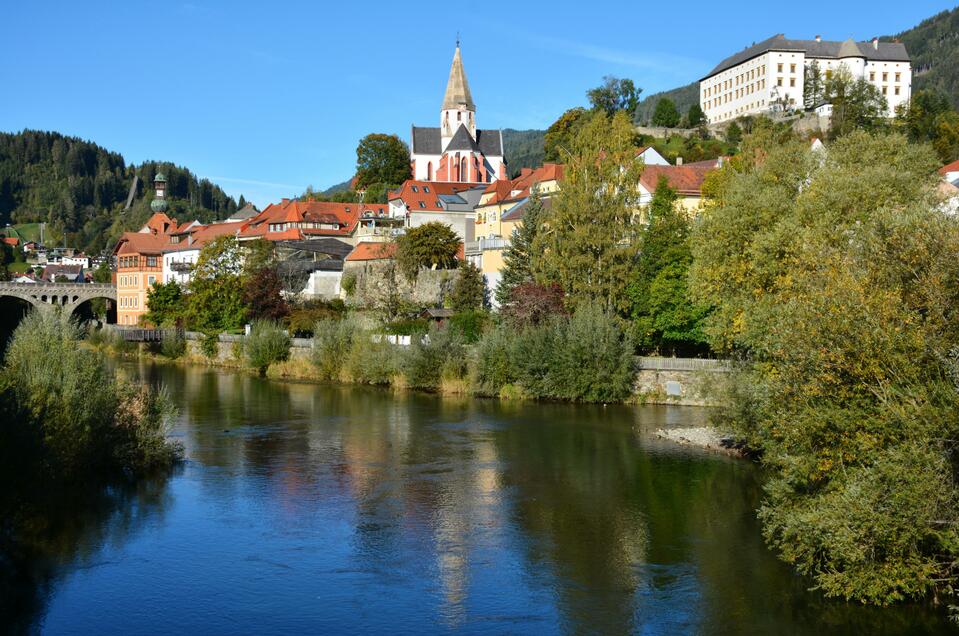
[(312, 509)]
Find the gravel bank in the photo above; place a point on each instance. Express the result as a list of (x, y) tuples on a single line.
[(702, 436)]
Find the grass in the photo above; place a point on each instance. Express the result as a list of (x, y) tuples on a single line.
[(24, 231), (18, 268)]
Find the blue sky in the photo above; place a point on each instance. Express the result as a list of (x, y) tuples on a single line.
[(265, 98)]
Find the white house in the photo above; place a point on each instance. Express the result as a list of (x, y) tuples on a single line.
[(421, 202), (771, 75), (650, 157)]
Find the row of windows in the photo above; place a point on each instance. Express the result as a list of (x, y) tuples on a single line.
[(128, 281), (885, 77), (130, 302), (426, 189), (739, 80), (736, 94), (134, 261)]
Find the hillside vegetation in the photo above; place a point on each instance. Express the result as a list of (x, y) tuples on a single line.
[(934, 48), (683, 97), (79, 189)]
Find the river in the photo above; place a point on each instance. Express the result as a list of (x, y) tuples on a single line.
[(319, 509)]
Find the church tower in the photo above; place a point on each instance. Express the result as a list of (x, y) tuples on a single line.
[(458, 107)]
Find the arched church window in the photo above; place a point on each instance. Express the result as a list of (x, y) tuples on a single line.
[(459, 115), (463, 173), (429, 171)]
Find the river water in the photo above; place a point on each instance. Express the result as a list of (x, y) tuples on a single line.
[(318, 509)]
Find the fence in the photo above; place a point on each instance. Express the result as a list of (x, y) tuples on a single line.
[(682, 364)]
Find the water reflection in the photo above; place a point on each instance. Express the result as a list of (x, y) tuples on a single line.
[(305, 508)]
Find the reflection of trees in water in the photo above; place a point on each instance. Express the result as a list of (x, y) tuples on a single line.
[(51, 529)]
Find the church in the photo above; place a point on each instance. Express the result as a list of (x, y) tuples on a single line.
[(457, 151)]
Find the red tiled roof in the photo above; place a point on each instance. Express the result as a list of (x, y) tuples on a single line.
[(686, 180), (520, 186), (949, 167), (413, 193), (370, 251), (343, 215)]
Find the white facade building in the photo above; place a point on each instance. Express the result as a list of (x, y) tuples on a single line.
[(770, 75)]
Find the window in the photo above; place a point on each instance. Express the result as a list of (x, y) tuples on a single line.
[(151, 261), (459, 116), (885, 77), (152, 280), (872, 76), (897, 76), (779, 81), (779, 68), (792, 68), (426, 189), (415, 189), (792, 82), (883, 90), (422, 205), (897, 90)]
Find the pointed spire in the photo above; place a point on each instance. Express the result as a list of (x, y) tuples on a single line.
[(457, 88)]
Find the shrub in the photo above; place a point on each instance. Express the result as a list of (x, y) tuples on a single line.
[(408, 327), (429, 359), (348, 283), (372, 362), (332, 342), (266, 344), (210, 345), (303, 318), (173, 345), (493, 361), (469, 324), (80, 419)]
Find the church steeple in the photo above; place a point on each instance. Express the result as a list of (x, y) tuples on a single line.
[(458, 108), (457, 88)]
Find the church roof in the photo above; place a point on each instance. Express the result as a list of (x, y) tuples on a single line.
[(429, 141), (462, 140), (457, 88), (882, 52)]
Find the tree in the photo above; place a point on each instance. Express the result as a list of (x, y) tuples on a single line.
[(165, 304), (666, 114), (382, 159), (835, 275), (517, 257), (215, 302), (532, 304), (587, 240), (432, 245), (614, 95), (813, 88), (947, 136), (558, 141), (856, 103), (103, 273), (919, 117), (734, 134), (664, 317), (695, 117), (263, 294), (469, 290)]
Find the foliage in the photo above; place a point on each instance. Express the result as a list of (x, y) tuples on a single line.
[(585, 357), (440, 353), (615, 95), (333, 340), (692, 148), (933, 48), (210, 345), (587, 241), (559, 138), (57, 423), (267, 343), (103, 273), (407, 326), (165, 304), (532, 304), (263, 294), (432, 245), (814, 89), (836, 275), (664, 317), (856, 103), (469, 323), (517, 257), (383, 159), (927, 117), (734, 134), (372, 360), (469, 289), (348, 283), (215, 302), (666, 114), (304, 316), (173, 345), (695, 116)]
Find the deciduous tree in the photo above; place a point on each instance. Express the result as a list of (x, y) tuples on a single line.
[(382, 159), (666, 114), (432, 245)]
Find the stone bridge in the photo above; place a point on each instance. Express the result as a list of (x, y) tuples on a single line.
[(47, 296)]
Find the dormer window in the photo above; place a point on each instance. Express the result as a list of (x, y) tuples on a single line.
[(426, 189), (422, 205), (415, 189)]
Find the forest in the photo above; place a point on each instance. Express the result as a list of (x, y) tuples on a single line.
[(79, 189)]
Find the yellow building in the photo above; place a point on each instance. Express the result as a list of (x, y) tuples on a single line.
[(140, 264)]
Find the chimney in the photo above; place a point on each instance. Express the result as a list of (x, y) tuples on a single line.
[(875, 43), (525, 172), (679, 161), (284, 201), (819, 38)]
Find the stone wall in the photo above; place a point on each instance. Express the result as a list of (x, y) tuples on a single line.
[(380, 282)]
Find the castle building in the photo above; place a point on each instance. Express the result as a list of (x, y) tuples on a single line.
[(457, 151), (771, 75)]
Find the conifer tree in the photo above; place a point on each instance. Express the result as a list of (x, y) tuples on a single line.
[(516, 257)]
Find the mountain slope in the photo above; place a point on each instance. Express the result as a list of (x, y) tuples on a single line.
[(79, 189), (934, 47), (683, 97), (523, 149)]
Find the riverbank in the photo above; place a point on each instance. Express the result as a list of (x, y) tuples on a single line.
[(655, 381), (705, 437)]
